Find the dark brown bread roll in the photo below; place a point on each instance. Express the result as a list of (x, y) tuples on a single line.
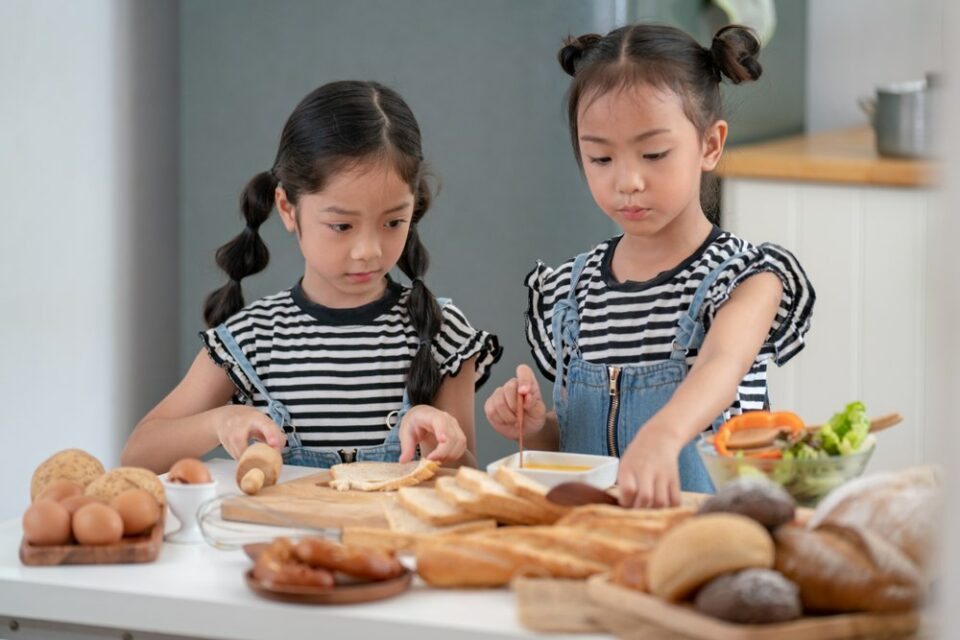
[(752, 596), (757, 498), (847, 569)]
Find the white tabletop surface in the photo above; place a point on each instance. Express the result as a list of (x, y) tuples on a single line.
[(199, 591)]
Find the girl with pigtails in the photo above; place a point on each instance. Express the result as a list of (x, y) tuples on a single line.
[(348, 364), (664, 331)]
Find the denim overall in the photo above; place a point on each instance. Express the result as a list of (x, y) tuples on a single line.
[(295, 453), (623, 397)]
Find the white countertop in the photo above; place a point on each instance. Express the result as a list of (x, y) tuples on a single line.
[(199, 591)]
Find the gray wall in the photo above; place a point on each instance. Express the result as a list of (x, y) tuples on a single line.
[(481, 78), (483, 81)]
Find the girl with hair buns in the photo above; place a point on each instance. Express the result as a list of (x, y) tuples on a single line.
[(666, 330), (347, 364)]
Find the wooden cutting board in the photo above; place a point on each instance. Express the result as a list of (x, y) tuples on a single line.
[(144, 548), (687, 621), (310, 502)]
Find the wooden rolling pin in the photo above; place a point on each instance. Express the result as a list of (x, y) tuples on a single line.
[(258, 467)]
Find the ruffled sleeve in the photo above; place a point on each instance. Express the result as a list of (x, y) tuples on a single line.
[(458, 342), (786, 338), (542, 293), (221, 356)]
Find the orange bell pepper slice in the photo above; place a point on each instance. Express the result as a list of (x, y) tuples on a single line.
[(757, 420)]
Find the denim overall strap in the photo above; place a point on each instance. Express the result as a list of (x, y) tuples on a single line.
[(277, 411), (565, 325), (690, 332)]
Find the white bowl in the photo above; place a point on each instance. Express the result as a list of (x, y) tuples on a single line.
[(184, 500), (601, 471)]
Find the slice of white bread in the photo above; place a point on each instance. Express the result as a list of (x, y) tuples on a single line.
[(525, 487), (493, 495), (381, 476), (582, 543), (426, 504), (402, 520)]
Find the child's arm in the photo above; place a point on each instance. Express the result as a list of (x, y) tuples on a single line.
[(648, 473), (443, 428), (194, 418)]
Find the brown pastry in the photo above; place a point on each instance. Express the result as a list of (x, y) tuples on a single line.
[(766, 502), (367, 564), (752, 596), (847, 569), (278, 566)]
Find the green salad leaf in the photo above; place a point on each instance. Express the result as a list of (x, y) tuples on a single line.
[(845, 431)]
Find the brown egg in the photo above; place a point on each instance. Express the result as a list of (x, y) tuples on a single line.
[(189, 471), (73, 503), (46, 522), (60, 489), (138, 509), (97, 524)]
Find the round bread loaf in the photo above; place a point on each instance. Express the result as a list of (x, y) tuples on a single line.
[(758, 498), (847, 569), (116, 481), (752, 596), (74, 465), (702, 548)]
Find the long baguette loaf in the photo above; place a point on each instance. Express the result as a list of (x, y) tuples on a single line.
[(582, 543)]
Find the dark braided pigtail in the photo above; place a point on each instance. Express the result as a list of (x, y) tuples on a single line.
[(246, 254), (424, 377)]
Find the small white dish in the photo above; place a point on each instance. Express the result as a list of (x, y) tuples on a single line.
[(598, 471), (184, 501)]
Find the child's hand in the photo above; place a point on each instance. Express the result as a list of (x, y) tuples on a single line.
[(648, 475), (437, 430), (501, 406), (236, 425)]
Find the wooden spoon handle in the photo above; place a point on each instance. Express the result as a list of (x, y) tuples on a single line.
[(520, 399)]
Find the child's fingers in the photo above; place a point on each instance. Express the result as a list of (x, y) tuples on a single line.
[(628, 489), (408, 442), (676, 496), (525, 378), (266, 430), (644, 497), (661, 493)]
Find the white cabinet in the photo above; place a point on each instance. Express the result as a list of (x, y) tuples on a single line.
[(864, 248)]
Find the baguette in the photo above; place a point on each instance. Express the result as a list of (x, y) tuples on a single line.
[(445, 563), (581, 543), (556, 563)]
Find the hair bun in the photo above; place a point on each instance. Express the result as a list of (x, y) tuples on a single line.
[(574, 49), (735, 50)]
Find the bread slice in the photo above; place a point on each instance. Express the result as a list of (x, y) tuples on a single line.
[(495, 497), (426, 504), (525, 487), (381, 476), (403, 521)]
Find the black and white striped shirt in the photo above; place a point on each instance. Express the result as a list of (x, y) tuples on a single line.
[(635, 323), (340, 372)]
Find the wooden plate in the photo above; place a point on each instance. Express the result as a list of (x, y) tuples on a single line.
[(342, 593), (143, 548), (689, 622)]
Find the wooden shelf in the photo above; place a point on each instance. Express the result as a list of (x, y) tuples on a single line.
[(846, 156)]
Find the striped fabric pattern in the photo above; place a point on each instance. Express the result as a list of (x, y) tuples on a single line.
[(635, 323), (340, 372)]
